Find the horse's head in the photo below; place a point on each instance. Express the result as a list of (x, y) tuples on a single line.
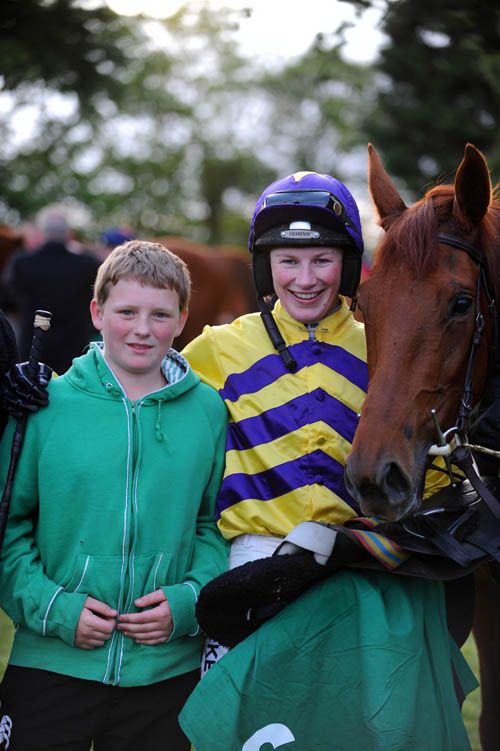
[(420, 308)]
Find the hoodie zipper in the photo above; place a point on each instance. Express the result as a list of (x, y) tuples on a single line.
[(115, 655), (130, 561)]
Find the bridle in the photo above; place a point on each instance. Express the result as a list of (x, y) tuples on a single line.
[(463, 534), (457, 451), (482, 284)]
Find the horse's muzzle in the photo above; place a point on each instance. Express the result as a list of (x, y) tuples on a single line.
[(386, 492)]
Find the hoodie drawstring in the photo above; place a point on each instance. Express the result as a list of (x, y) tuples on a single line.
[(160, 435)]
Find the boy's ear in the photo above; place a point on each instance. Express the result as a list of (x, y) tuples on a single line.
[(182, 321), (96, 314)]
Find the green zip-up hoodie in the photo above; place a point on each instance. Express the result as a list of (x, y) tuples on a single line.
[(113, 499)]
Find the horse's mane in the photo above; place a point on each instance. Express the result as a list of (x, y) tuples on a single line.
[(410, 238)]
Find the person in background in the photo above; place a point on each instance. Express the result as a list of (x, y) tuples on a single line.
[(111, 238), (54, 278)]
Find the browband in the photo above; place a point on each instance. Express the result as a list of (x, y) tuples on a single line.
[(457, 242)]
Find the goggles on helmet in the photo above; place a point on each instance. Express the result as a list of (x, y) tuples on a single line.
[(321, 198)]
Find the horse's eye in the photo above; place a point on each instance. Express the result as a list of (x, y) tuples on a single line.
[(461, 305)]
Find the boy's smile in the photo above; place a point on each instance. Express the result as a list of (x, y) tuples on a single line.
[(138, 325), (307, 280)]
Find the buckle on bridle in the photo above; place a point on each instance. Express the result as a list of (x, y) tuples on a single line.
[(442, 447)]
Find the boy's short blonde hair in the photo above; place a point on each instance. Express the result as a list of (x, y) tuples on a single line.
[(147, 262)]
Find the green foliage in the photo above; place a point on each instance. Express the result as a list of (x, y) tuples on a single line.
[(172, 137), (439, 87), (146, 137), (179, 135), (240, 171), (61, 44), (319, 103)]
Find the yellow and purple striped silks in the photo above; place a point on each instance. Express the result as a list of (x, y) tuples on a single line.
[(289, 433)]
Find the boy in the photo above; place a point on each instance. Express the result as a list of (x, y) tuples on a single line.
[(112, 527)]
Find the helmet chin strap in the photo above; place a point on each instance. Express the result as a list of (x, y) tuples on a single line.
[(275, 335)]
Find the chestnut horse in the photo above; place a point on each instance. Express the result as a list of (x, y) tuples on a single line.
[(10, 240), (420, 307), (222, 286)]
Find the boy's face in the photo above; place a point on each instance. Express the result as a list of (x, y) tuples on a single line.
[(138, 324), (307, 280)]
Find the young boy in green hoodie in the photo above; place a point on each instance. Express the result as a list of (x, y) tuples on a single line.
[(112, 528)]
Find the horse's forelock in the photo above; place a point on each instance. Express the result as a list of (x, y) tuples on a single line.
[(410, 239)]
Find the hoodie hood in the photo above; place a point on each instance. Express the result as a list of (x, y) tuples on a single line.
[(92, 374)]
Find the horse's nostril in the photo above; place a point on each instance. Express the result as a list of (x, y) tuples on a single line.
[(394, 481)]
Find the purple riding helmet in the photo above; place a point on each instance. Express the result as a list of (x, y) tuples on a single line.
[(306, 209)]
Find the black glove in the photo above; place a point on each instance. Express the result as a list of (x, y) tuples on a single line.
[(23, 393), (233, 605)]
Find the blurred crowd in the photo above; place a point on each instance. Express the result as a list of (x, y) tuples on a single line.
[(45, 265)]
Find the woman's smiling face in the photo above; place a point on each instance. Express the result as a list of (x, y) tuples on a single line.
[(307, 280)]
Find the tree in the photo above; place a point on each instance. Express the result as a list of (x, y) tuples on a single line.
[(132, 129), (317, 105), (62, 45), (174, 135), (438, 87)]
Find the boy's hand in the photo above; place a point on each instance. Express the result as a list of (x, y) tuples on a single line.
[(152, 626), (95, 625)]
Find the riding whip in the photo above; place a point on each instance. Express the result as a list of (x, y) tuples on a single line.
[(41, 325)]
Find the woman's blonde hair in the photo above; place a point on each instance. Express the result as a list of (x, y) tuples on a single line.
[(147, 262)]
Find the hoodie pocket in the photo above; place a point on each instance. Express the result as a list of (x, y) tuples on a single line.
[(118, 581), (99, 576), (148, 573)]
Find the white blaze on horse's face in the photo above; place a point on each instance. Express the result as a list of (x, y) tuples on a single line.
[(419, 308)]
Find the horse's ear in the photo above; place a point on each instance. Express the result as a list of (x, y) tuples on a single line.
[(385, 196), (472, 188)]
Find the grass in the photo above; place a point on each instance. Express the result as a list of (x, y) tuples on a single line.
[(472, 704), (6, 633), (470, 709)]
